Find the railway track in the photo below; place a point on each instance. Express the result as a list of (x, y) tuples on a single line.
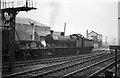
[(80, 68), (102, 71), (54, 68), (90, 70), (110, 67), (45, 61)]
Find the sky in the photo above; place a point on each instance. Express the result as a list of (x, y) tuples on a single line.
[(100, 16)]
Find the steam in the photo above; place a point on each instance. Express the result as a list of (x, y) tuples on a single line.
[(56, 7)]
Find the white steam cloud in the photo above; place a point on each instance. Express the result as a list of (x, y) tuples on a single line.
[(56, 6)]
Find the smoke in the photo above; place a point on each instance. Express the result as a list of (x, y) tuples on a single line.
[(56, 7), (66, 9)]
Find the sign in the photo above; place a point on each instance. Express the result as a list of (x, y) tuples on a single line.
[(115, 47)]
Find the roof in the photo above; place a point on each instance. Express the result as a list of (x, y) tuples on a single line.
[(94, 32), (23, 20)]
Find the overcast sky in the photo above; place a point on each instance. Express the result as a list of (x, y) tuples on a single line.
[(80, 15)]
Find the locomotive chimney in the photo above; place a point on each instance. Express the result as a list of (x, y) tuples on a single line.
[(86, 33), (62, 34), (51, 32)]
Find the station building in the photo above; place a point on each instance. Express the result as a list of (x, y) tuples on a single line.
[(96, 37)]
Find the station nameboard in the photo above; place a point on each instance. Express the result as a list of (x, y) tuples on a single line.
[(115, 47)]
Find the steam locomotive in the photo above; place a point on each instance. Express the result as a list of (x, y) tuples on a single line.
[(56, 46), (73, 44), (74, 40)]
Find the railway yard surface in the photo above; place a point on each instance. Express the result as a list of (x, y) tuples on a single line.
[(85, 66)]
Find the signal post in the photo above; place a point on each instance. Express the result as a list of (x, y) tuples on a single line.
[(116, 48), (11, 13)]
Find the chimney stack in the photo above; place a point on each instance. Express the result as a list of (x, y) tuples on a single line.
[(86, 33), (64, 27)]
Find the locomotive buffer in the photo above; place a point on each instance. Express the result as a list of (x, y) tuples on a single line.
[(12, 12)]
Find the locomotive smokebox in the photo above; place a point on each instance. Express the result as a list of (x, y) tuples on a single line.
[(49, 39)]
